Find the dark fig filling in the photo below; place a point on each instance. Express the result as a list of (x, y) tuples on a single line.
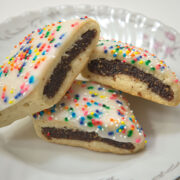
[(64, 133), (64, 66), (111, 68)]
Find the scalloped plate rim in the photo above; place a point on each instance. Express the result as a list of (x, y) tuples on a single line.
[(25, 13)]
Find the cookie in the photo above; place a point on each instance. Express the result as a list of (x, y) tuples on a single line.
[(133, 70), (42, 67), (91, 116)]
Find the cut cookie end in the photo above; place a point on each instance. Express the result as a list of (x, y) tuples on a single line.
[(87, 140), (131, 86)]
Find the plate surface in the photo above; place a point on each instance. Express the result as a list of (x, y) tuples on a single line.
[(23, 154)]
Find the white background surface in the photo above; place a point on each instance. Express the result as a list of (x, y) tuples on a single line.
[(167, 11)]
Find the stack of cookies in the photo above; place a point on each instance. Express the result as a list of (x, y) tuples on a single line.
[(38, 79)]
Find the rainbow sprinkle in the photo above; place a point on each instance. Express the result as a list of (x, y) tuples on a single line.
[(19, 74), (84, 107), (138, 57)]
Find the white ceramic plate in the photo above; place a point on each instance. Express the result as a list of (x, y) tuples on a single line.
[(24, 156)]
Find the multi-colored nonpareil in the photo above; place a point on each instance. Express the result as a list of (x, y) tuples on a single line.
[(133, 70), (91, 116), (32, 78)]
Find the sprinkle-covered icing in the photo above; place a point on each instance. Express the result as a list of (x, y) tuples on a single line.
[(19, 74), (91, 107), (138, 57)]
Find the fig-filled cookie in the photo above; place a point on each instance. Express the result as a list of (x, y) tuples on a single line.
[(91, 116), (133, 70), (42, 67)]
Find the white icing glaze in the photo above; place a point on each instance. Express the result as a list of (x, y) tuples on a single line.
[(30, 57), (92, 107), (137, 57)]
